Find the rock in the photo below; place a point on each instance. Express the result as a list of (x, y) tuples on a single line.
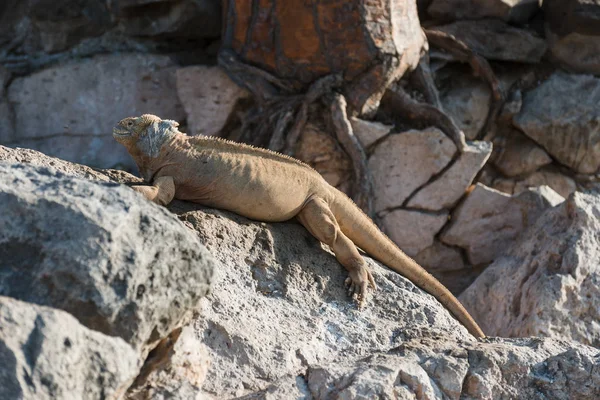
[(31, 27), (46, 354), (451, 185), (288, 387), (488, 222), (81, 114), (120, 264), (28, 156), (5, 77), (180, 375), (7, 124), (458, 281), (565, 16), (547, 284), (368, 132), (563, 122), (576, 52), (413, 231), (529, 368), (209, 98), (280, 305), (404, 162), (92, 150), (573, 32), (517, 11), (561, 184), (516, 154), (190, 19), (512, 106), (6, 114), (440, 257), (448, 266), (494, 39), (467, 100)]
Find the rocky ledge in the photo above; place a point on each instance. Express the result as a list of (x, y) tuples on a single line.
[(102, 295)]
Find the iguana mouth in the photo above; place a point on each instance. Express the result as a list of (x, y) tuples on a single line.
[(120, 132)]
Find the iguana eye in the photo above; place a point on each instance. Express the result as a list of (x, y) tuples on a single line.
[(129, 124)]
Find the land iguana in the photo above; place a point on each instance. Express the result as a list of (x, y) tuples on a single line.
[(267, 186)]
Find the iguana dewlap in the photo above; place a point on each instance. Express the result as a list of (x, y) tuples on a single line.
[(267, 186)]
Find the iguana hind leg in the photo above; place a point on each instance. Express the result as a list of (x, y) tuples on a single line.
[(161, 192), (320, 222)]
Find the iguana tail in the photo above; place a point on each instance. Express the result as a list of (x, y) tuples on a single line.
[(366, 235)]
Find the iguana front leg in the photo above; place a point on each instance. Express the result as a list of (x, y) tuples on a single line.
[(321, 223), (161, 192)]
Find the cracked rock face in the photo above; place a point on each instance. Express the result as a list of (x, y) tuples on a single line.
[(547, 285), (368, 132), (404, 162), (452, 184)]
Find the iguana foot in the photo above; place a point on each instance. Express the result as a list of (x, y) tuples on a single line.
[(358, 282)]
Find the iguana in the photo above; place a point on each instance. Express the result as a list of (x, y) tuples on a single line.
[(267, 186)]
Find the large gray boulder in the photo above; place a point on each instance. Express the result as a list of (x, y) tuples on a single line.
[(120, 264), (563, 121), (547, 284), (47, 354)]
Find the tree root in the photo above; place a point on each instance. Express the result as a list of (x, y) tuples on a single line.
[(400, 102), (461, 52), (423, 77), (363, 182), (263, 85), (319, 88)]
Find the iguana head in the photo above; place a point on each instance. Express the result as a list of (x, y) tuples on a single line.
[(146, 133)]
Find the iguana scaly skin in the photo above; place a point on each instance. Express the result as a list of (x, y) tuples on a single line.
[(267, 186)]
